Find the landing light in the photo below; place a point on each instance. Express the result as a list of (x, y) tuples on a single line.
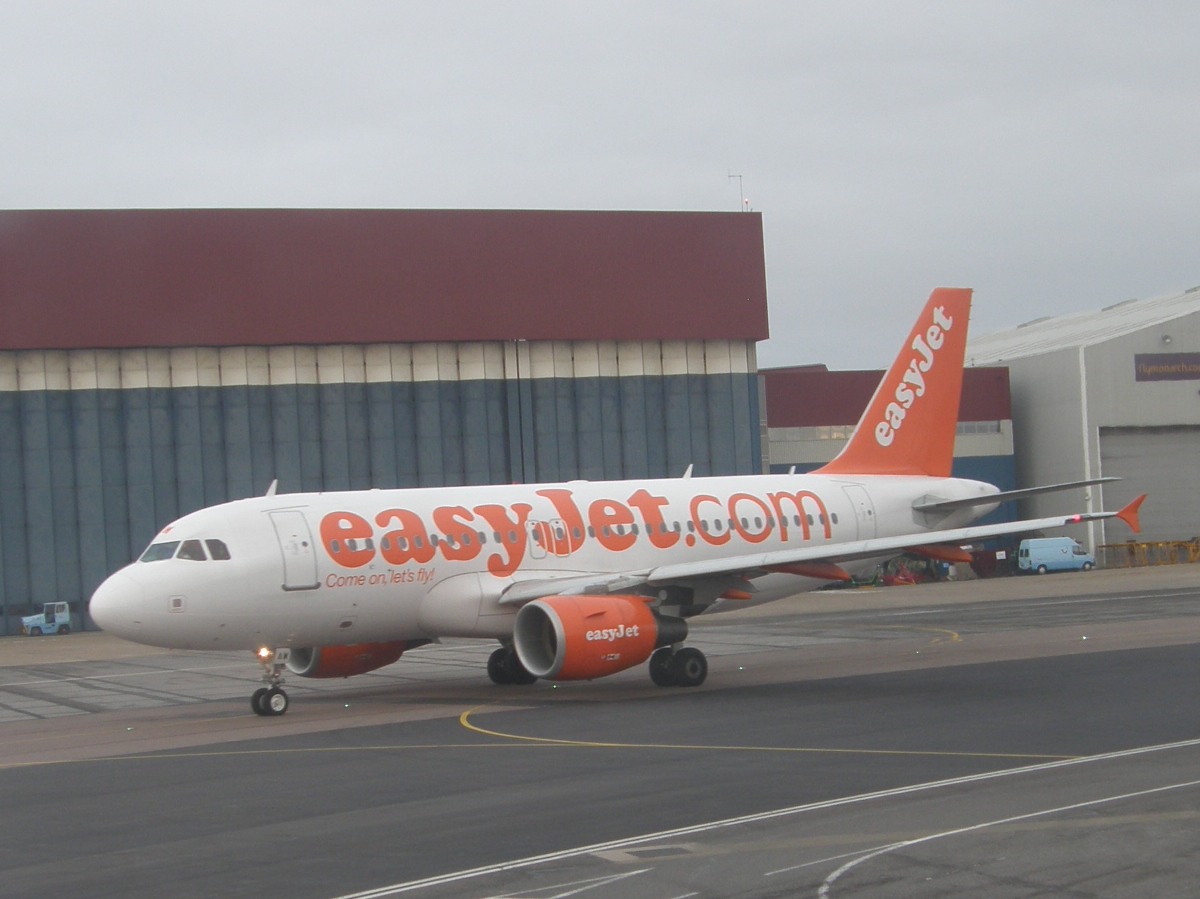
[(265, 654)]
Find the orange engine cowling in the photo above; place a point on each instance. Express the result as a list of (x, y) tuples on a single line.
[(585, 637), (345, 661)]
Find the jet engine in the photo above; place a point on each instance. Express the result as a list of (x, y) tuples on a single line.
[(345, 661), (585, 637)]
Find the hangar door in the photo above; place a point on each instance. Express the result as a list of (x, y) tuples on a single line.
[(1163, 463)]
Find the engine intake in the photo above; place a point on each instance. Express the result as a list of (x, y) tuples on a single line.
[(585, 637)]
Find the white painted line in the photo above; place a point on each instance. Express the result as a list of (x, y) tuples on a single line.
[(823, 891), (469, 874)]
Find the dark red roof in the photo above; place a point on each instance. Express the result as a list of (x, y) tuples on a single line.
[(811, 396), (221, 277)]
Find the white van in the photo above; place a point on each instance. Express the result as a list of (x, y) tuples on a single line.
[(1044, 554)]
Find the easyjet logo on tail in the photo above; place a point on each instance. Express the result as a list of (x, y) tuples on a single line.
[(912, 383)]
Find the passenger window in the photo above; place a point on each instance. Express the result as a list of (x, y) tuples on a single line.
[(156, 552), (192, 551), (218, 550)]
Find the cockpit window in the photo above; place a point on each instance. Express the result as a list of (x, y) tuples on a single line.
[(156, 552), (218, 550), (192, 551)]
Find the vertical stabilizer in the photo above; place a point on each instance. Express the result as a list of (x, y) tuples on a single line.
[(908, 427)]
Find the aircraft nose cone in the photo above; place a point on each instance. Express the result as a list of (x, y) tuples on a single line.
[(116, 606)]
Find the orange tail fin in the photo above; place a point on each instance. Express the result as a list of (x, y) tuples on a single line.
[(908, 427)]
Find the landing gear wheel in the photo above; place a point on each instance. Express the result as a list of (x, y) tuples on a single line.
[(517, 672), (689, 667), (275, 702), (256, 700), (497, 666), (504, 667), (660, 667)]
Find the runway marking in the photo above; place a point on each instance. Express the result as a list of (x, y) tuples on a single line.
[(464, 720), (517, 741), (954, 636), (565, 854), (827, 884)]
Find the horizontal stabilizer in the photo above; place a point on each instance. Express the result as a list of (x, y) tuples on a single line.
[(1005, 496)]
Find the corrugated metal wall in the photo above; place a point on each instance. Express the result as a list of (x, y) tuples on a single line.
[(100, 449)]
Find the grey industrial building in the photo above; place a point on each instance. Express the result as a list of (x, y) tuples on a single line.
[(156, 361), (1115, 392)]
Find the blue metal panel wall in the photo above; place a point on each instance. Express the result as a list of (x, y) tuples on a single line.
[(88, 477), (14, 544)]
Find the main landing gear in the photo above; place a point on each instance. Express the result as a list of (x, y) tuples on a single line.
[(271, 700), (504, 667), (686, 667)]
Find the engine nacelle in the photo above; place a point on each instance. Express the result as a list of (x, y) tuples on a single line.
[(585, 637), (345, 661)]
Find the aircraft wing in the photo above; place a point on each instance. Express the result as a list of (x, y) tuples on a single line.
[(800, 560)]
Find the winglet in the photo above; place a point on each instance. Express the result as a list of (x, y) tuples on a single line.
[(908, 427), (1129, 514)]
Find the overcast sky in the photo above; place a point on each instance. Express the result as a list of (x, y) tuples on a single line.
[(1045, 153)]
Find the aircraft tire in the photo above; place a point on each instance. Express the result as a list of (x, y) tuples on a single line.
[(517, 673), (256, 700), (660, 667), (689, 667), (497, 667), (275, 702)]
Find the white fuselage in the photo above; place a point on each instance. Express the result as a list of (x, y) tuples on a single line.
[(389, 565)]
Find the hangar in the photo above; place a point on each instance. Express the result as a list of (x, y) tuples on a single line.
[(156, 361), (1111, 392)]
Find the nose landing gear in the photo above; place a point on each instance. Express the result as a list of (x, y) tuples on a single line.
[(271, 700)]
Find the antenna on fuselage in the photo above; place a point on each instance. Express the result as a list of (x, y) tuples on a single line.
[(272, 488), (688, 473)]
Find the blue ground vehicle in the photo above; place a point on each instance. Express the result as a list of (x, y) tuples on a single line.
[(54, 619), (1044, 554)]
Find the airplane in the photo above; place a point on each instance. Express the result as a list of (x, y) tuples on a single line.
[(576, 580)]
